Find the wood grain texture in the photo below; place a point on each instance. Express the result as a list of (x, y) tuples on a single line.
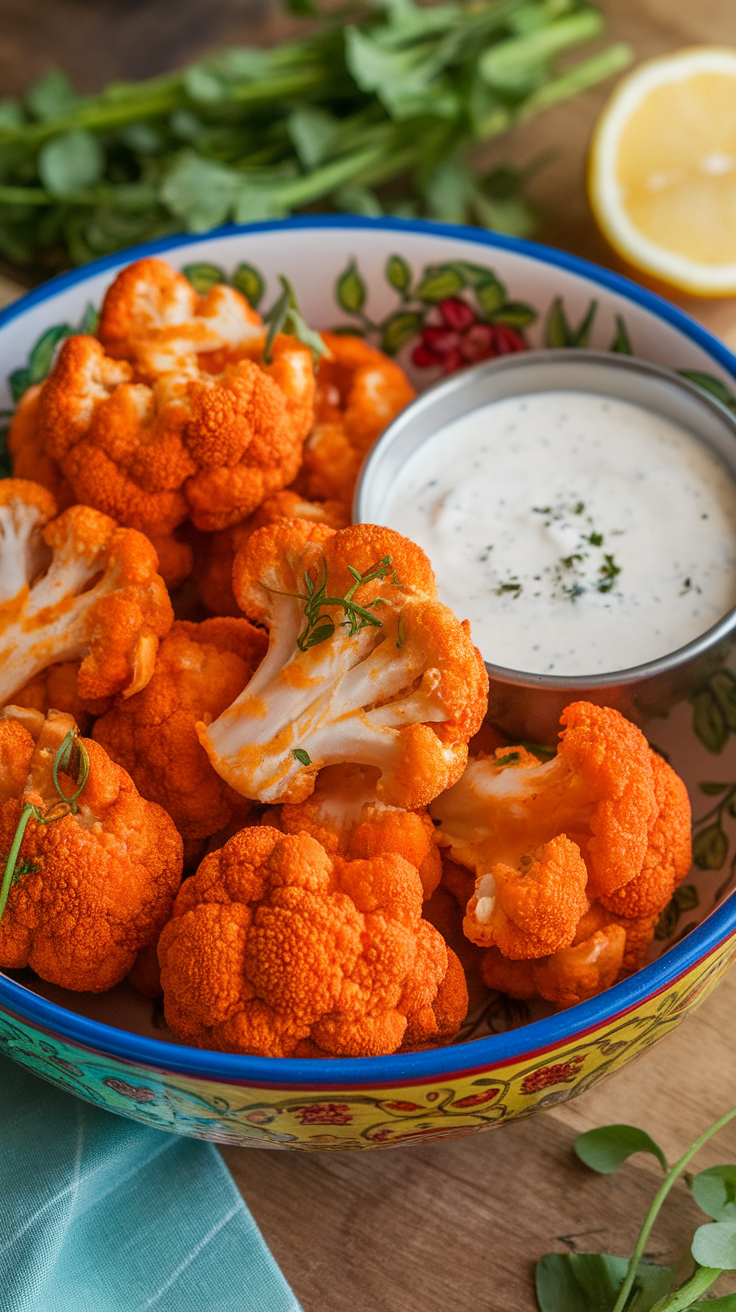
[(456, 1225)]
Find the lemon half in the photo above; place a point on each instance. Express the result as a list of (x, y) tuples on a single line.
[(662, 178)]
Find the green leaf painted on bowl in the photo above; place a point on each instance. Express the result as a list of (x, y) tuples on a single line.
[(439, 283), (249, 282), (713, 789), (708, 721), (350, 290), (204, 277), (490, 295), (710, 848), (398, 274), (686, 897), (609, 1146), (710, 384), (723, 687), (621, 344), (39, 361), (667, 922), (514, 314), (399, 329)]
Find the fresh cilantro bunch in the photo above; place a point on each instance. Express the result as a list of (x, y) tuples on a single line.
[(599, 1282), (377, 111)]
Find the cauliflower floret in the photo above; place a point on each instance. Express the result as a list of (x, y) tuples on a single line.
[(345, 816), (213, 566), (668, 857), (278, 949), (95, 883), (153, 317), (605, 948), (597, 793), (396, 685), (359, 391), (57, 689), (199, 671), (72, 588), (174, 414)]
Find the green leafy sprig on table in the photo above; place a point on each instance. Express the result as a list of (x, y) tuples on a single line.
[(389, 95), (599, 1282)]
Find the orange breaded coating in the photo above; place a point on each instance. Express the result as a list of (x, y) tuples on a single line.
[(75, 588), (213, 566), (92, 887), (605, 949), (397, 685), (359, 391), (275, 944), (598, 792), (27, 449), (153, 317), (345, 816), (669, 851), (173, 414), (532, 911), (57, 688), (199, 671)]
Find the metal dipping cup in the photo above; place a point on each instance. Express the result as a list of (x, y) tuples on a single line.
[(528, 706)]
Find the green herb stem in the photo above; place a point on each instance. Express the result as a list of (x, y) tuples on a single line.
[(683, 1298), (672, 1176), (580, 78), (28, 810), (64, 758)]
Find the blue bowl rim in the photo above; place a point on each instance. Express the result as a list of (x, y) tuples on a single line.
[(434, 1063)]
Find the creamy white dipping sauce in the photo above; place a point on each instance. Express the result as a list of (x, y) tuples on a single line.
[(578, 533)]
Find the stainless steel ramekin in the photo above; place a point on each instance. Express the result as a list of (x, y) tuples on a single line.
[(528, 706)]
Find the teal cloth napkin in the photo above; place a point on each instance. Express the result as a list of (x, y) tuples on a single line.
[(100, 1214)]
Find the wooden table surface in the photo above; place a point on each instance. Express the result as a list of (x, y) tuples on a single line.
[(456, 1225)]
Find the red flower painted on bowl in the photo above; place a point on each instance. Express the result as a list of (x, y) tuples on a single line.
[(325, 1113), (563, 1072), (461, 338)]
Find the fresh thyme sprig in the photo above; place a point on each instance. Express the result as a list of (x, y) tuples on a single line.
[(318, 627), (71, 747)]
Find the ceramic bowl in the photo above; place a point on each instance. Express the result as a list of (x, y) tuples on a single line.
[(439, 296)]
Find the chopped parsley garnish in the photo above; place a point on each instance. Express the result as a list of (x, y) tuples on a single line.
[(508, 759), (302, 757), (608, 571)]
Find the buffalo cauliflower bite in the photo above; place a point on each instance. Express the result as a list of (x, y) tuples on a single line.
[(213, 565), (345, 816), (605, 948), (75, 588), (199, 671), (359, 391), (594, 801), (606, 817), (279, 949), (153, 317), (174, 414), (97, 880), (364, 665)]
